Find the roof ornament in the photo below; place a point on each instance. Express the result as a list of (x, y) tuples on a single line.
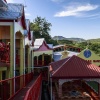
[(87, 45), (64, 53)]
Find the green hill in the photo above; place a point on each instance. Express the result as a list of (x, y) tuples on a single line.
[(94, 40)]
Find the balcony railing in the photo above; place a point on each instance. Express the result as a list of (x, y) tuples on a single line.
[(41, 63), (10, 87), (34, 92)]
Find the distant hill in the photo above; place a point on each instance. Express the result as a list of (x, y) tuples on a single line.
[(94, 40), (58, 38), (71, 39)]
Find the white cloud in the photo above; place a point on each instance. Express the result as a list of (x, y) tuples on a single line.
[(77, 10), (10, 1), (27, 14), (15, 1)]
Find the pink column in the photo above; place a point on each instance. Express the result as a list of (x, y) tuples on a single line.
[(60, 90)]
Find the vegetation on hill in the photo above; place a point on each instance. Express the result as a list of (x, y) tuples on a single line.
[(90, 45), (70, 39), (94, 40)]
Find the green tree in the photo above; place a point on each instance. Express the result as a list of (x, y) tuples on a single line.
[(40, 26), (41, 29)]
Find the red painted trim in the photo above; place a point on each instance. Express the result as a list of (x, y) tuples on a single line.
[(23, 23), (29, 33), (5, 1)]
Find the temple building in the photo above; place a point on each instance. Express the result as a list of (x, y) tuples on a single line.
[(69, 79), (90, 56), (14, 29), (43, 53)]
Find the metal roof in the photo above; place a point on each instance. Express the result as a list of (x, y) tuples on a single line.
[(74, 67), (57, 46), (3, 3), (50, 45), (38, 43), (13, 11)]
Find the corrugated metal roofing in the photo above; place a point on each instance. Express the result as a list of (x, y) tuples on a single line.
[(74, 67), (57, 46), (14, 11), (50, 45), (3, 3), (38, 43)]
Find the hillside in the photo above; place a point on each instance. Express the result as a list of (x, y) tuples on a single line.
[(94, 40), (71, 39)]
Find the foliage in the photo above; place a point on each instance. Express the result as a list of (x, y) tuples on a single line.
[(94, 40), (41, 28), (95, 47), (65, 42)]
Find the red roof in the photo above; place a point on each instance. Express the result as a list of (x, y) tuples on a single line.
[(74, 67), (5, 1)]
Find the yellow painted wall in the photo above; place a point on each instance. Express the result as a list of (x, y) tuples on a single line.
[(93, 58), (41, 52)]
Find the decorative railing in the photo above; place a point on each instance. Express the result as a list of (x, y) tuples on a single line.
[(10, 87), (34, 92), (41, 63), (5, 54)]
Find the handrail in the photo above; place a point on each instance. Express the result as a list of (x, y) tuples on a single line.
[(7, 86), (34, 92), (41, 63)]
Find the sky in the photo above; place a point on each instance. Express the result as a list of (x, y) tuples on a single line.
[(69, 18)]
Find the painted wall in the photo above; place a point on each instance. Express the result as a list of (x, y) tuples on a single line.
[(41, 52), (90, 56)]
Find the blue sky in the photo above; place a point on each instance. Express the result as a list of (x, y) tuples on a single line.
[(69, 18)]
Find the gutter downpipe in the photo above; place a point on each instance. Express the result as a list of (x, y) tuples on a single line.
[(14, 56)]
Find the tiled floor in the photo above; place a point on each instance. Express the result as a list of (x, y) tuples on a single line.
[(21, 94)]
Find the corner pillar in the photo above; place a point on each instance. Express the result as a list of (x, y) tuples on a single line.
[(37, 60), (99, 89), (21, 57), (60, 90), (29, 60), (0, 75), (42, 59)]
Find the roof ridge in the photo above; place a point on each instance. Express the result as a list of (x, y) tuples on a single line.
[(62, 65), (59, 60)]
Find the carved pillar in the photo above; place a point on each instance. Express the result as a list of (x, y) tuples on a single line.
[(60, 90), (29, 60), (21, 57), (99, 89), (42, 59), (37, 60)]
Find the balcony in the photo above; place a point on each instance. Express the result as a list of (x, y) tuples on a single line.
[(41, 63)]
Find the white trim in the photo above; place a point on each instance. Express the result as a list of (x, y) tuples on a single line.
[(14, 55)]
